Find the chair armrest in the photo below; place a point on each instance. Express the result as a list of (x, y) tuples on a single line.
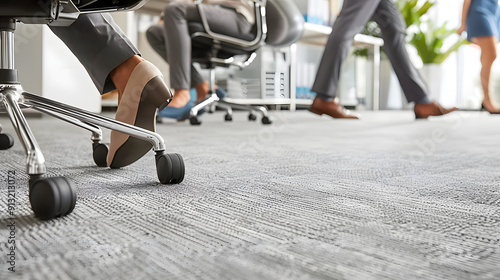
[(260, 22)]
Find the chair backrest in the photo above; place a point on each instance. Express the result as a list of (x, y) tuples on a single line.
[(285, 23)]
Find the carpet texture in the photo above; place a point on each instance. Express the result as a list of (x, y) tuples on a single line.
[(309, 197)]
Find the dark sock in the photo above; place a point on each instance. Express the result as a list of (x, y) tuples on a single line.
[(325, 98), (424, 100)]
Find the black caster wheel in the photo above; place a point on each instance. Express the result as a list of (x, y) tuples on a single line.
[(194, 121), (266, 120), (6, 141), (170, 168), (228, 118), (52, 197), (159, 119), (100, 153), (252, 117)]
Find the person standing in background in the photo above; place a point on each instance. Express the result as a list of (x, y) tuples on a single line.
[(481, 20)]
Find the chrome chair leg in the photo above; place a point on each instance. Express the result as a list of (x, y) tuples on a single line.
[(11, 97), (95, 130), (68, 112), (251, 109), (99, 150), (193, 114), (229, 111)]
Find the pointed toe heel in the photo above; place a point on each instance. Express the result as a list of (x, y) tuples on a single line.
[(144, 94)]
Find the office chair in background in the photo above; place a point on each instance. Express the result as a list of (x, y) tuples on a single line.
[(52, 197), (278, 23)]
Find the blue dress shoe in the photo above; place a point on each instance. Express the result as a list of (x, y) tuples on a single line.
[(179, 114)]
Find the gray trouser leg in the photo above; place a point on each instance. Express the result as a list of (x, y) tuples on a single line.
[(393, 27), (178, 44), (351, 20), (99, 44), (156, 38)]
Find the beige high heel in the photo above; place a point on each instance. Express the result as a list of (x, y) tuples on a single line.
[(144, 93)]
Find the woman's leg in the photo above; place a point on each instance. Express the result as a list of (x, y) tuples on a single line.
[(99, 44), (488, 56)]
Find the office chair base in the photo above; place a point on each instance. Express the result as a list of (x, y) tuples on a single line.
[(53, 197), (212, 101)]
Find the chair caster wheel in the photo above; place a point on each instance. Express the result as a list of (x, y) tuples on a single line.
[(170, 168), (159, 119), (194, 121), (228, 118), (266, 120), (252, 117), (52, 197), (100, 154), (6, 141)]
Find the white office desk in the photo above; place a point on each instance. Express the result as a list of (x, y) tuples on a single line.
[(318, 35)]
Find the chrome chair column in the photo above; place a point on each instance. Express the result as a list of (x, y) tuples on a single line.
[(11, 96)]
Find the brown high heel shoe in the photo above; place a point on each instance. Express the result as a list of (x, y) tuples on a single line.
[(144, 93)]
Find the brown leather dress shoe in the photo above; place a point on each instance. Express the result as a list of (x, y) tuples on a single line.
[(330, 108), (423, 111)]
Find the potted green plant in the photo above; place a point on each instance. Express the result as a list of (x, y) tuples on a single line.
[(434, 44), (413, 10)]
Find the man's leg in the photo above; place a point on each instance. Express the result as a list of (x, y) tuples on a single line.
[(351, 20), (390, 21), (393, 27)]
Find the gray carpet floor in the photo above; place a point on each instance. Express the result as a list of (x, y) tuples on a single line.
[(309, 197)]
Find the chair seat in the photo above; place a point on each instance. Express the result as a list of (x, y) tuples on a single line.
[(201, 45)]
